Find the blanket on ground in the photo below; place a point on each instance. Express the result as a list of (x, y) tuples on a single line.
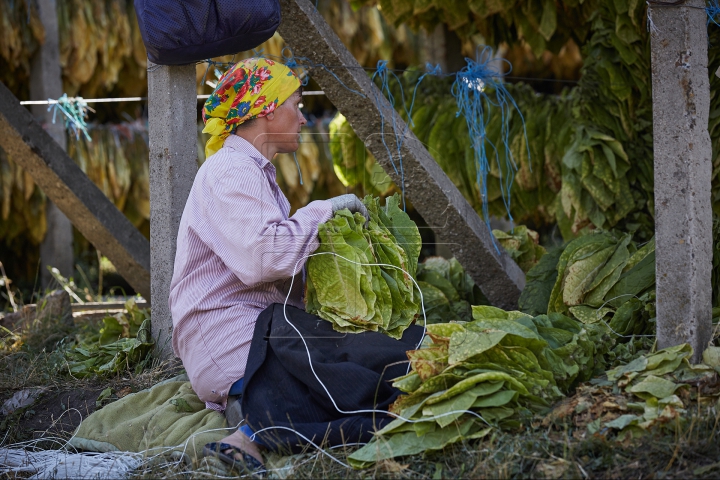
[(168, 418), (281, 391)]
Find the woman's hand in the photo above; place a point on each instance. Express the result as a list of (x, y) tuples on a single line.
[(351, 202)]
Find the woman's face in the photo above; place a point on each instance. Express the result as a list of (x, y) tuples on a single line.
[(284, 130)]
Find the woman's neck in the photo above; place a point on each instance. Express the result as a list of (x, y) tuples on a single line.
[(259, 140)]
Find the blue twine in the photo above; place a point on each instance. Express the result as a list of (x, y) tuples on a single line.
[(430, 70), (74, 111), (474, 103), (713, 10), (383, 74), (304, 63)]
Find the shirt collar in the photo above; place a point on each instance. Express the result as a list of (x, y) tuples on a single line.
[(241, 145)]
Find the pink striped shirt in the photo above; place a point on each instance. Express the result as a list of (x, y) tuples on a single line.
[(236, 251)]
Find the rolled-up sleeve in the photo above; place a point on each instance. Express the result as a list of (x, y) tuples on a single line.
[(249, 232)]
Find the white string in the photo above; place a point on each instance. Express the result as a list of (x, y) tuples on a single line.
[(307, 349), (50, 101)]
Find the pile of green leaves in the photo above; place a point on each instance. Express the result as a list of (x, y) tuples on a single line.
[(659, 382), (495, 371), (597, 278), (124, 342), (448, 292), (613, 116), (523, 246), (355, 297)]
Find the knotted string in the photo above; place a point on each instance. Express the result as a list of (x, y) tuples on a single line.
[(476, 89), (74, 112)]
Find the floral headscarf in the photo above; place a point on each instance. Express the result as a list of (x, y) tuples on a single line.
[(250, 89)]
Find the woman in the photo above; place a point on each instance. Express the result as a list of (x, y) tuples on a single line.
[(239, 254)]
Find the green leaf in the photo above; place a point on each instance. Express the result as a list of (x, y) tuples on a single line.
[(581, 273), (711, 357), (466, 344), (609, 274), (633, 281), (539, 283), (497, 399), (381, 448), (104, 395), (548, 21), (408, 383), (428, 362), (446, 412), (655, 386), (588, 314), (623, 421), (468, 383)]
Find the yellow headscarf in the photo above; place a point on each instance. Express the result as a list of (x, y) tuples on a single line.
[(250, 89)]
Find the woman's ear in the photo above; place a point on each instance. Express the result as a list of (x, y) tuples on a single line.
[(270, 116)]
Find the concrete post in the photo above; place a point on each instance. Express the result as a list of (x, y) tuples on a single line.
[(431, 192), (433, 47), (173, 165), (46, 82), (683, 219)]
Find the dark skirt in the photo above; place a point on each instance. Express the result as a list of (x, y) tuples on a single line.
[(280, 389)]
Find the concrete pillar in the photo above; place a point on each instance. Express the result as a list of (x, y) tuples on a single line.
[(683, 219), (173, 165), (433, 47), (443, 47), (46, 82)]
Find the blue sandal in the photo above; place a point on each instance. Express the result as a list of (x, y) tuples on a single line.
[(249, 464)]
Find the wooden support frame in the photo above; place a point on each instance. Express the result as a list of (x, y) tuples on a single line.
[(89, 210)]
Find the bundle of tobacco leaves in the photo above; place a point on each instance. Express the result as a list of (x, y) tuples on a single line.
[(447, 291), (598, 278), (495, 371), (344, 289), (522, 244)]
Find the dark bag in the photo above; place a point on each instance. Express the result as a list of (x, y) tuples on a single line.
[(177, 32)]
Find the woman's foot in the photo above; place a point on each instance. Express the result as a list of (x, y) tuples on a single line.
[(243, 442)]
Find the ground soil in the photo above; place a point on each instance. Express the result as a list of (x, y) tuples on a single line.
[(58, 413)]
